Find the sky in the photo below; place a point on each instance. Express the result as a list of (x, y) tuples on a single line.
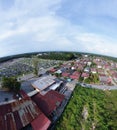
[(58, 25)]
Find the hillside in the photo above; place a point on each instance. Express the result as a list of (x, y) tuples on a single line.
[(90, 109)]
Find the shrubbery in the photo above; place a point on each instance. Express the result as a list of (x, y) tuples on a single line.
[(101, 107)]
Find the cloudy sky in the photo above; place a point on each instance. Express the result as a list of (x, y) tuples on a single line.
[(58, 25)]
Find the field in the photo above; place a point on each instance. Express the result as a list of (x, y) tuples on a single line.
[(90, 109)]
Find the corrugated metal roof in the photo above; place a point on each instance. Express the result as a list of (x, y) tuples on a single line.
[(43, 82), (48, 102), (54, 86), (15, 115), (45, 123)]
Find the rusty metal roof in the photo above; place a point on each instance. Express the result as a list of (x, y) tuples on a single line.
[(41, 123), (48, 102), (18, 114)]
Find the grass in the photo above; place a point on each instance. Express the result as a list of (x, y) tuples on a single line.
[(101, 107)]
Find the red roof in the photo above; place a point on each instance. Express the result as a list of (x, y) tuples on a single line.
[(109, 80), (48, 102), (76, 73), (65, 74), (41, 122), (80, 67), (93, 69), (85, 75), (18, 114), (52, 70), (74, 76)]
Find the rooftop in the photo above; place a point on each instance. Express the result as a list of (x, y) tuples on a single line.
[(48, 102), (43, 82), (41, 122), (18, 114)]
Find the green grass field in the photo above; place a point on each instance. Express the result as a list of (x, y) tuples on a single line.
[(90, 109)]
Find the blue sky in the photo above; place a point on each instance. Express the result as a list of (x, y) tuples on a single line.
[(60, 25)]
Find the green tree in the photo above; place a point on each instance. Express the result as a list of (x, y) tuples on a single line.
[(11, 83)]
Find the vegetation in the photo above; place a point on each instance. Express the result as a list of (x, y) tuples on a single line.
[(90, 109), (11, 83), (58, 56), (93, 78), (58, 75), (81, 79), (35, 65), (7, 58), (74, 55), (93, 64)]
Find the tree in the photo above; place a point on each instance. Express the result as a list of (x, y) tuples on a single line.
[(72, 64), (93, 78), (11, 83)]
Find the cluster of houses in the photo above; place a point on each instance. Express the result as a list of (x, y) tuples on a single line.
[(107, 71), (69, 70), (83, 68)]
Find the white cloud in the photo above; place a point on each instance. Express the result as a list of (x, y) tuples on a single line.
[(98, 44), (34, 26)]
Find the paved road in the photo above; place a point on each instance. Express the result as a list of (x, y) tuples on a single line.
[(103, 87)]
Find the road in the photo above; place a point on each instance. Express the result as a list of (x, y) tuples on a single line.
[(103, 87)]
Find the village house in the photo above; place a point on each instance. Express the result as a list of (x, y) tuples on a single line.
[(104, 79), (85, 75)]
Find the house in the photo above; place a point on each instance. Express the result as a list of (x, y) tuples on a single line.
[(65, 74), (93, 70), (41, 122), (52, 70), (107, 67), (43, 82), (58, 71), (75, 75), (104, 79), (48, 102), (80, 67), (89, 63), (114, 75), (99, 66), (20, 113), (100, 71), (85, 75), (56, 85), (87, 69)]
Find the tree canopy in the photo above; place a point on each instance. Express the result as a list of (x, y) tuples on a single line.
[(11, 83)]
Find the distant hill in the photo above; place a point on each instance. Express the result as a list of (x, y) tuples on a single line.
[(55, 55), (3, 59)]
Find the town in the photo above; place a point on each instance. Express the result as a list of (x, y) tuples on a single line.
[(43, 95)]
